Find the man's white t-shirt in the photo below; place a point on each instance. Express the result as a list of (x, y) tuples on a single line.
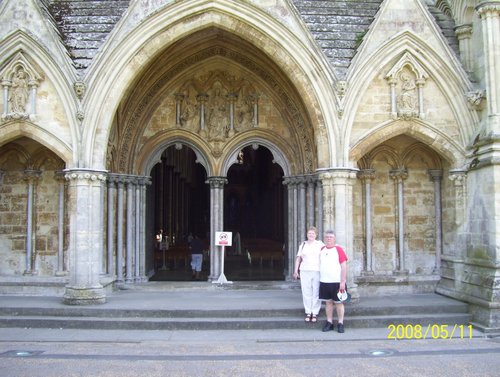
[(330, 261)]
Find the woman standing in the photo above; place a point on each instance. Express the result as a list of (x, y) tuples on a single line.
[(307, 270)]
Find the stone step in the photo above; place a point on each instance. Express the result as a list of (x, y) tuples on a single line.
[(205, 306), (353, 310), (225, 323)]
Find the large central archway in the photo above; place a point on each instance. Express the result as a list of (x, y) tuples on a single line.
[(207, 99)]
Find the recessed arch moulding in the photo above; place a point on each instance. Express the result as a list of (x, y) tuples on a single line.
[(215, 94)]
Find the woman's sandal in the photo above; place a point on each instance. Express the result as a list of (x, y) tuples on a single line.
[(314, 318), (308, 318)]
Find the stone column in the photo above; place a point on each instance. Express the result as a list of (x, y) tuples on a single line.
[(310, 201), (86, 237), (202, 99), (143, 182), (31, 177), (255, 102), (61, 265), (137, 230), (399, 175), (319, 207), (6, 84), (130, 248), (178, 100), (436, 176), (489, 11), (367, 176), (111, 226), (459, 179), (301, 182), (216, 222), (232, 97), (291, 184), (394, 109), (33, 85), (119, 231), (338, 212), (328, 200), (420, 89), (464, 36)]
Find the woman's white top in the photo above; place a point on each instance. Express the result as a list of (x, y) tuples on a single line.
[(309, 252)]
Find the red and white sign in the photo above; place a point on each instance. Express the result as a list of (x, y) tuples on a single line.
[(223, 238)]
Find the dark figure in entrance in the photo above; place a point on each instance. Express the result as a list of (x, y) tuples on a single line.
[(196, 256)]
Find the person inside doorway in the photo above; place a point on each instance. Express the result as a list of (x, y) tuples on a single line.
[(196, 246), (332, 277), (307, 270)]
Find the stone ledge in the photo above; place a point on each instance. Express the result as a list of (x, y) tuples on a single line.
[(386, 285)]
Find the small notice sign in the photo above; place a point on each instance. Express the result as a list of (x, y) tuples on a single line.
[(223, 238)]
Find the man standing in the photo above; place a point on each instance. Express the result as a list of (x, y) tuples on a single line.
[(333, 277), (196, 247)]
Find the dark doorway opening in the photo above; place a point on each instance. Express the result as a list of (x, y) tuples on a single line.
[(180, 202), (254, 202)]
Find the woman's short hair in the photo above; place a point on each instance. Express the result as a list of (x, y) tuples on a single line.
[(313, 228)]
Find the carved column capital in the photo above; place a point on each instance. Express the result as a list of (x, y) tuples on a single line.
[(398, 175), (366, 175), (458, 177), (32, 176), (435, 174), (488, 9), (463, 31), (216, 182), (85, 175), (202, 97)]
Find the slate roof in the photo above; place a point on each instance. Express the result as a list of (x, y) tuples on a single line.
[(337, 26), (85, 25)]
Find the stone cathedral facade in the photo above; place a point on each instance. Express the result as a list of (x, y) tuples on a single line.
[(381, 119)]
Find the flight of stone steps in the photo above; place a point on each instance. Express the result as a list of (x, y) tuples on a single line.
[(232, 309)]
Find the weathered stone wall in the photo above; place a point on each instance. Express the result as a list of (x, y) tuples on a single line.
[(419, 211), (17, 158)]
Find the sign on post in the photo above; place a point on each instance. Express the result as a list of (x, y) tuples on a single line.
[(223, 239)]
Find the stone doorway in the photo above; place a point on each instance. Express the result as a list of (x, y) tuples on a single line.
[(178, 203), (254, 201)]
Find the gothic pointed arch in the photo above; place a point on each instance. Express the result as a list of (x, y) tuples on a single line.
[(214, 94), (419, 130), (234, 157), (430, 74), (312, 110), (16, 129), (152, 151), (54, 78)]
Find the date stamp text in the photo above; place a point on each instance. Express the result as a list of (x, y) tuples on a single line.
[(431, 331)]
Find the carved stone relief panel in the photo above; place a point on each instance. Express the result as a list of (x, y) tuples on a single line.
[(227, 95), (217, 105)]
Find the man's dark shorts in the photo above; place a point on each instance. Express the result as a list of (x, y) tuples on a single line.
[(328, 291)]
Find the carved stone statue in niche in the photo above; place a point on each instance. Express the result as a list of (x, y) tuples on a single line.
[(190, 113), (408, 97), (245, 113), (19, 94), (218, 115)]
